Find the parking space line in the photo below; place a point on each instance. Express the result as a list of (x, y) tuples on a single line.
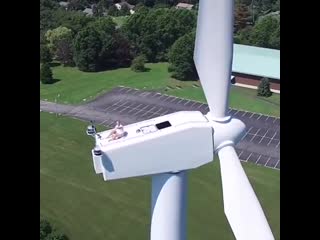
[(246, 134), (258, 159), (263, 136), (271, 139), (267, 161), (240, 154)]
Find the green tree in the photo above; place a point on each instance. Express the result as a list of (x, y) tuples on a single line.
[(87, 46), (132, 2), (132, 27), (264, 88), (42, 38), (99, 46), (274, 41), (140, 6), (47, 9), (149, 3), (123, 52), (104, 25), (46, 74), (56, 35), (181, 58), (161, 5), (113, 11), (242, 17), (64, 52), (158, 3), (47, 16), (124, 10), (245, 2), (263, 32), (90, 1), (74, 20), (138, 64), (153, 32), (265, 5), (243, 36), (77, 5), (60, 44), (98, 10), (106, 3), (45, 55), (276, 6)]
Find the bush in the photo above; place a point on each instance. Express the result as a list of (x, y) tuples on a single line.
[(45, 228), (171, 68), (46, 74), (138, 64), (56, 236), (45, 55), (47, 232), (264, 88)]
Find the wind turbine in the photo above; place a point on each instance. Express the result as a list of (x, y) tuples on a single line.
[(167, 146)]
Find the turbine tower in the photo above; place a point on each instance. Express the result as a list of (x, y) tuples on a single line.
[(164, 147)]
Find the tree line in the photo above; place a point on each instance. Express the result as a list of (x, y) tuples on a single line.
[(257, 23), (154, 33)]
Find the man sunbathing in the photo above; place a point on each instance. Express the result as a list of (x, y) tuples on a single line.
[(117, 132)]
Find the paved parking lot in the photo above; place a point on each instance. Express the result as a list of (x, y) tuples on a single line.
[(260, 144)]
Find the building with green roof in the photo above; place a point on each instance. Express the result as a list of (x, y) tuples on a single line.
[(250, 64)]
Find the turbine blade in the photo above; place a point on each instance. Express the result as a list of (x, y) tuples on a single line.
[(241, 206), (213, 52)]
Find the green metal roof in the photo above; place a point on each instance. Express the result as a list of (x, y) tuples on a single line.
[(256, 61)]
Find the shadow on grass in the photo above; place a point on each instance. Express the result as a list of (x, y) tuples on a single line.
[(265, 99), (103, 69), (55, 64), (143, 71), (55, 80)]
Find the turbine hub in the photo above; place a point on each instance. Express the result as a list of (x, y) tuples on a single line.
[(227, 131)]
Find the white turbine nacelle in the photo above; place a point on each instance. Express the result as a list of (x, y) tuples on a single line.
[(155, 145), (170, 143)]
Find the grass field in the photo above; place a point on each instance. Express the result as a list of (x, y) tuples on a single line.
[(240, 98), (85, 207), (75, 87)]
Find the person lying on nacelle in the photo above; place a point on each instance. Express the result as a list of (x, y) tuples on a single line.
[(117, 132)]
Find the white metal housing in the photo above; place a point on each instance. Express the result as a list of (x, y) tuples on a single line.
[(146, 150), (169, 206)]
